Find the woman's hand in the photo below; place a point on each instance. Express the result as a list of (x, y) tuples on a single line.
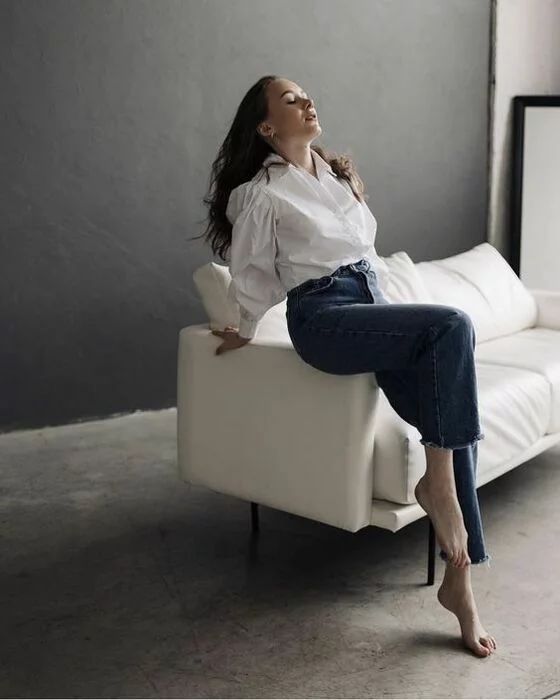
[(232, 339)]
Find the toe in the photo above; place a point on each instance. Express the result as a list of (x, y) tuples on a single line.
[(479, 648)]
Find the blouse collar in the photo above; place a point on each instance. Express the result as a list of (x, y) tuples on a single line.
[(320, 163)]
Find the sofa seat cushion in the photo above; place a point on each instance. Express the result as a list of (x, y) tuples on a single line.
[(514, 405), (535, 349)]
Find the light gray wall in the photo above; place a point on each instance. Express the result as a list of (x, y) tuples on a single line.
[(118, 108), (526, 61)]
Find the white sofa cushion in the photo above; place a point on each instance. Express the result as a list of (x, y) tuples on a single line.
[(548, 307), (405, 284), (482, 283), (212, 282), (534, 349)]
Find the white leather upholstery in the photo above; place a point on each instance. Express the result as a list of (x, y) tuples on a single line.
[(405, 284), (482, 283), (534, 349), (262, 425), (548, 308)]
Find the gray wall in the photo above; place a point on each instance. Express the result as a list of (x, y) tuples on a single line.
[(116, 110), (526, 62)]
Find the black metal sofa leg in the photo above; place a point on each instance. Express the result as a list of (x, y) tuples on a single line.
[(254, 517), (431, 541), (431, 553)]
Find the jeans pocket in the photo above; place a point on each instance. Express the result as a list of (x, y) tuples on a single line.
[(318, 285)]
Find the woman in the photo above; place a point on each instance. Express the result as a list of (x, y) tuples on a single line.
[(305, 233)]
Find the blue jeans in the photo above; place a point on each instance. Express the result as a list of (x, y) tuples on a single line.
[(423, 359)]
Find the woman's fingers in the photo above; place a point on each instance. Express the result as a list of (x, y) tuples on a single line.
[(227, 329), (226, 336)]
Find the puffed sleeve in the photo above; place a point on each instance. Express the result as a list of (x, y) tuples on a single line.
[(255, 284)]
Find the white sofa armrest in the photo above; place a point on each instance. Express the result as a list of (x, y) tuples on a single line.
[(548, 308), (260, 424)]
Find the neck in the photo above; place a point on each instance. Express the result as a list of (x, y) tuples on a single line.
[(299, 155)]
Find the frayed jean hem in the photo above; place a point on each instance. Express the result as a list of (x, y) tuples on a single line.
[(452, 446)]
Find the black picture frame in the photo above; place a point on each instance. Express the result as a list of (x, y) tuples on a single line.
[(520, 105)]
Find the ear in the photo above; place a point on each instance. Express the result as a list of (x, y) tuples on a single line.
[(264, 129)]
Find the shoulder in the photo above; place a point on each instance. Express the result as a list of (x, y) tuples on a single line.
[(251, 189), (249, 195)]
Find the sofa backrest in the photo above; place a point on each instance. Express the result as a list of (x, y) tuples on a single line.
[(478, 281), (481, 282), (405, 284)]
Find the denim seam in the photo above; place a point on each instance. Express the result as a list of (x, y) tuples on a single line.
[(436, 392), (479, 436), (407, 447), (436, 389), (352, 330), (365, 283)]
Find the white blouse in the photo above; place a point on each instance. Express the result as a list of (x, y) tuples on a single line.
[(291, 229)]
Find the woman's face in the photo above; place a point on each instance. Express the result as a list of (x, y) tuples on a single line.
[(291, 114)]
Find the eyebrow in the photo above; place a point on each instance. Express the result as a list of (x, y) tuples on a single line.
[(285, 91)]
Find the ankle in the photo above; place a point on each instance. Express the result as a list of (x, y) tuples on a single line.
[(440, 481), (457, 576)]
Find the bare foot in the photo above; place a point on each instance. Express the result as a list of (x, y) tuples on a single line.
[(456, 595), (442, 506)]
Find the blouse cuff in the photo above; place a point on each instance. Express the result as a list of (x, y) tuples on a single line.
[(247, 328)]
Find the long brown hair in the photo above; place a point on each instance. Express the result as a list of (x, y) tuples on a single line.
[(241, 156)]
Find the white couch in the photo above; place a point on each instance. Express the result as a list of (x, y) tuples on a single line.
[(260, 424)]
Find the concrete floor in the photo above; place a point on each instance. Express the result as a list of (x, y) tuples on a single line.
[(119, 580)]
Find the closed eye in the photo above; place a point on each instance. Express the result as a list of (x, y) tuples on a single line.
[(304, 97)]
